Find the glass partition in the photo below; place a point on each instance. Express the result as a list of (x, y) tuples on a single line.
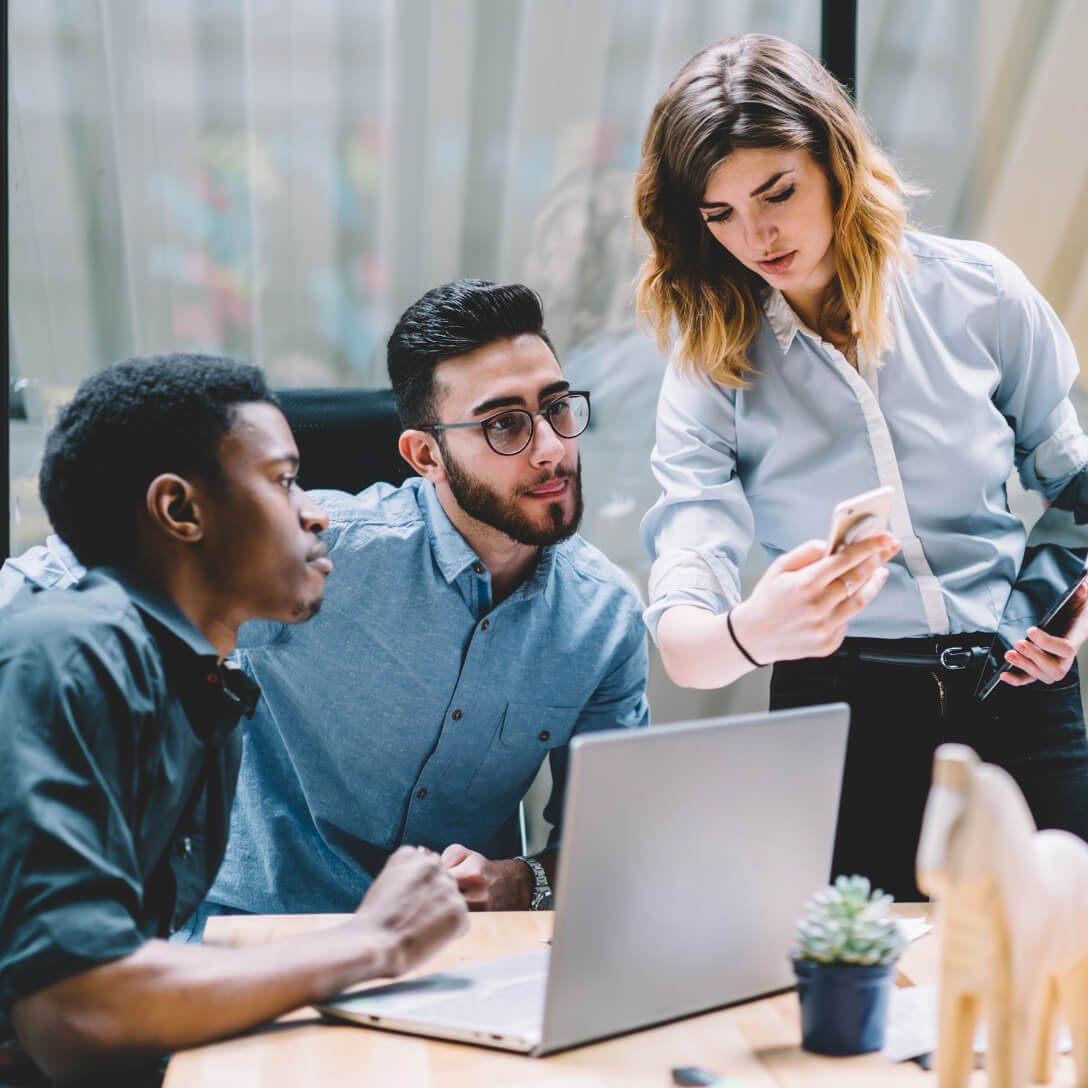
[(277, 179)]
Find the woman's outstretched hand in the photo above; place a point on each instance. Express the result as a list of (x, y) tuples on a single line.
[(805, 599), (799, 608)]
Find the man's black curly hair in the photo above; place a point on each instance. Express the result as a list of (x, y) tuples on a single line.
[(128, 424), (452, 320)]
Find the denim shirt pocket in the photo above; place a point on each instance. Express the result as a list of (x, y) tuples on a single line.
[(527, 732)]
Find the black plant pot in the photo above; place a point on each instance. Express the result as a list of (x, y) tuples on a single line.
[(843, 1007)]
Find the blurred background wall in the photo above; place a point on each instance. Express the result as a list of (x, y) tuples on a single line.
[(278, 179)]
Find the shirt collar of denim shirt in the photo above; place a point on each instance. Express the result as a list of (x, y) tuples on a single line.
[(454, 556)]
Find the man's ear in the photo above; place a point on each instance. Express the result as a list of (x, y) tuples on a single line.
[(174, 508), (421, 451)]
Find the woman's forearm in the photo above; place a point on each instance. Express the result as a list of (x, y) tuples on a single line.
[(697, 650)]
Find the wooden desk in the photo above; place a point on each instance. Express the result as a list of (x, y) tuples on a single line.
[(758, 1041)]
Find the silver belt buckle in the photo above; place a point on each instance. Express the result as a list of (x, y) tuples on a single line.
[(956, 657)]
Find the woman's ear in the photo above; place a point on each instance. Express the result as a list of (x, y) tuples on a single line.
[(174, 508), (422, 452)]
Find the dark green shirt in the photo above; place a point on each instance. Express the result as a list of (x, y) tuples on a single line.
[(118, 760)]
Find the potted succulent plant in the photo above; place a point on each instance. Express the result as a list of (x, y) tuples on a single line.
[(844, 958)]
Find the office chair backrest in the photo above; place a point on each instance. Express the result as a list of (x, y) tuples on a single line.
[(347, 438)]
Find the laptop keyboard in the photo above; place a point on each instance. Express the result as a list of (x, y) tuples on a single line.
[(508, 1006), (503, 996)]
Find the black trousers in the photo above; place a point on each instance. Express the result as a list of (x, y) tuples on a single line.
[(899, 714)]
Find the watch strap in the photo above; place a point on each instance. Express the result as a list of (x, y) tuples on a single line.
[(540, 897)]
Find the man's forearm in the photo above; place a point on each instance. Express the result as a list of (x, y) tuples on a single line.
[(167, 996)]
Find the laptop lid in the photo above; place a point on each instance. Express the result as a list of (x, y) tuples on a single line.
[(688, 852)]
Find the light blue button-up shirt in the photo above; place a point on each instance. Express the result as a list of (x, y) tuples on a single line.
[(49, 566), (976, 383), (409, 710)]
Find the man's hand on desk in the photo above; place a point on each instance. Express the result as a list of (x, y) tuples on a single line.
[(488, 885), (413, 908)]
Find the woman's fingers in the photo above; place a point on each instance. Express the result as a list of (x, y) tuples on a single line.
[(852, 565), (862, 595), (804, 555), (1048, 662), (847, 584)]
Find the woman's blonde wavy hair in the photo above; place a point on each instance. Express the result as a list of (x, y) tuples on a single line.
[(758, 91)]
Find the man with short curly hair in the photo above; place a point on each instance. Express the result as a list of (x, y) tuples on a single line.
[(174, 480)]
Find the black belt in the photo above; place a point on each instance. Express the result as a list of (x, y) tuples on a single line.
[(952, 653)]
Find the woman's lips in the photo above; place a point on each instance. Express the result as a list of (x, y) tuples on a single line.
[(778, 266)]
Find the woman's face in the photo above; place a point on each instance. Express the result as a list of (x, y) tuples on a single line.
[(771, 208)]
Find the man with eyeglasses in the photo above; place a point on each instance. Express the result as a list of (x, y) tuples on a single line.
[(469, 634)]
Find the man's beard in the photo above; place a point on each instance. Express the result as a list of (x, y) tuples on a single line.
[(488, 506)]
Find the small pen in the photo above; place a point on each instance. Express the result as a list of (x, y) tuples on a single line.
[(694, 1074)]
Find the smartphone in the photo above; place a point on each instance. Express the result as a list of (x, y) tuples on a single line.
[(1056, 622), (860, 517)]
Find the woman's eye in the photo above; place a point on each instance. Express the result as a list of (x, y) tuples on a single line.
[(287, 482), (720, 217), (782, 197)]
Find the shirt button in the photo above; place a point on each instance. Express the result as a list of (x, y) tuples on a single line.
[(478, 568), (185, 847), (485, 625), (544, 734), (456, 715), (421, 793)]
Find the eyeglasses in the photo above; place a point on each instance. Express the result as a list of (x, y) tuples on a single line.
[(510, 431)]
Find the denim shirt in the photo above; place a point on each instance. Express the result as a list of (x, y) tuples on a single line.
[(410, 710), (976, 382)]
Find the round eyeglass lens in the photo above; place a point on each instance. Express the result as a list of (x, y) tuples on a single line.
[(569, 416), (509, 433)]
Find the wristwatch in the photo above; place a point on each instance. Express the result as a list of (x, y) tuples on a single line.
[(541, 896)]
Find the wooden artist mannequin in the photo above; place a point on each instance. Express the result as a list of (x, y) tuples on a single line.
[(1013, 921)]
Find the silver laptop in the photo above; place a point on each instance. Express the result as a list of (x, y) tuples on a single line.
[(688, 851)]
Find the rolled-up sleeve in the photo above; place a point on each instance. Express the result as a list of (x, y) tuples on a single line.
[(700, 529), (1038, 367)]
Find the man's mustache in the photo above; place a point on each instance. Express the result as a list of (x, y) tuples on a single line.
[(560, 474)]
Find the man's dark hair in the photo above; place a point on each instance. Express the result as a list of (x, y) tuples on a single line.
[(451, 320), (128, 424)]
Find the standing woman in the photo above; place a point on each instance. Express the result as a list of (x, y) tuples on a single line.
[(819, 350)]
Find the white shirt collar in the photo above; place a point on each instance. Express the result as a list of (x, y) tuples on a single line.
[(784, 322)]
